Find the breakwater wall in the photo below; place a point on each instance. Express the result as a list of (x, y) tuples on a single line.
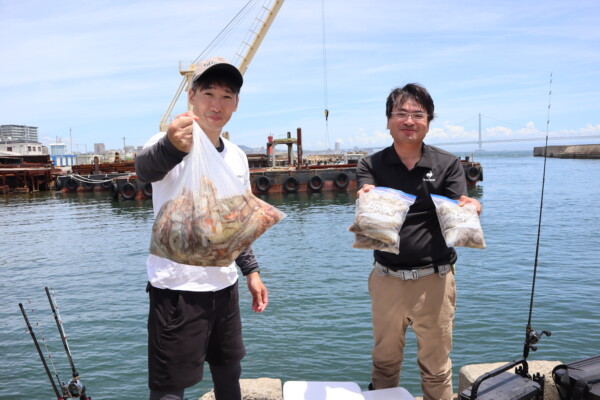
[(569, 151)]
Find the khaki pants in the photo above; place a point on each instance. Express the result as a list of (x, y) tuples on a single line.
[(426, 304)]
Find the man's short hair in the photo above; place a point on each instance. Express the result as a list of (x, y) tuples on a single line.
[(411, 91), (218, 77)]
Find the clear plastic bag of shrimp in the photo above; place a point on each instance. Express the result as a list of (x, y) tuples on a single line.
[(365, 242), (460, 225), (379, 215), (212, 215)]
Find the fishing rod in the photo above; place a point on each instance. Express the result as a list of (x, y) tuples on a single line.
[(74, 388), (37, 346), (499, 380), (61, 332), (531, 336)]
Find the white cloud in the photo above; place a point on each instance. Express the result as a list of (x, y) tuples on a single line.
[(450, 132), (363, 139), (590, 129)]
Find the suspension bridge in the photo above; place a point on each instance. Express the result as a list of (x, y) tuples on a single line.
[(480, 141)]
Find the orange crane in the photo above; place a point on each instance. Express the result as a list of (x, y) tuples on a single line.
[(244, 55)]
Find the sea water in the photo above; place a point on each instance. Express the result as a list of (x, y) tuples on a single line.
[(91, 250)]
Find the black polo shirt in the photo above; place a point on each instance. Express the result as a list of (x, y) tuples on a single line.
[(437, 172)]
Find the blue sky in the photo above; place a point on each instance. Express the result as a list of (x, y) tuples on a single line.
[(105, 70)]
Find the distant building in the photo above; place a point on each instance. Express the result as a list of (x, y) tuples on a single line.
[(20, 140), (86, 159), (21, 133), (58, 149), (129, 149), (58, 154), (19, 147), (99, 148)]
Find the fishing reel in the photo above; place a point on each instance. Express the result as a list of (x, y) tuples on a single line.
[(74, 389), (532, 337)]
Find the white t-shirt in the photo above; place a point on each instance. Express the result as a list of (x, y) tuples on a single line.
[(167, 274)]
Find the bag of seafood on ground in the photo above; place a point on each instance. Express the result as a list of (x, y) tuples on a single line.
[(212, 216), (460, 224), (379, 215)]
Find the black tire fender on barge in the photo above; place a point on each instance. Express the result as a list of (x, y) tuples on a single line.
[(291, 184), (71, 184), (315, 183), (263, 183), (106, 185), (473, 174), (341, 180), (147, 190), (87, 185), (127, 191)]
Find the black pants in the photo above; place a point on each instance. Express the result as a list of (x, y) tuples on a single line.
[(226, 379), (185, 329)]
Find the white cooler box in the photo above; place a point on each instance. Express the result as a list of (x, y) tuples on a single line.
[(311, 390)]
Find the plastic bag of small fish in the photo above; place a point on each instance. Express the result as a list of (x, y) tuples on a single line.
[(379, 215), (212, 216), (460, 225)]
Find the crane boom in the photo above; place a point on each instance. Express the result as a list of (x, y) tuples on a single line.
[(164, 122), (264, 22)]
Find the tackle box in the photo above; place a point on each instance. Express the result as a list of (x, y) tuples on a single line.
[(579, 380), (502, 385)]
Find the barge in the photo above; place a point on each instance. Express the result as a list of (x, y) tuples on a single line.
[(106, 176), (24, 173), (270, 173), (473, 171)]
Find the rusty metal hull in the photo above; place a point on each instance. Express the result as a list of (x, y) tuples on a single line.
[(24, 174), (121, 185), (311, 179)]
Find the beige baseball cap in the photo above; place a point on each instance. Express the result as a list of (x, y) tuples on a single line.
[(218, 63)]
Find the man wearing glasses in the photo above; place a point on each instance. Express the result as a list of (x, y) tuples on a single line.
[(415, 287)]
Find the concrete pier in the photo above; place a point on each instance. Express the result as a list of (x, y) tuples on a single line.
[(584, 151)]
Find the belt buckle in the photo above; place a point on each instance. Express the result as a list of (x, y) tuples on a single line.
[(409, 274), (444, 269)]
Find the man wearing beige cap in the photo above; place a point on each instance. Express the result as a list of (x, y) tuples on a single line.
[(194, 311)]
